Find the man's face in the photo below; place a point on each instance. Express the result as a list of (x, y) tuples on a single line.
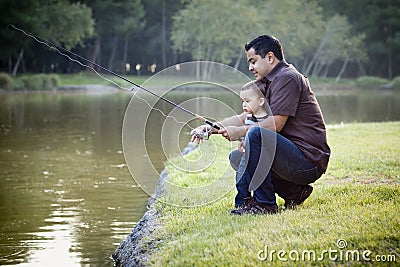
[(257, 65)]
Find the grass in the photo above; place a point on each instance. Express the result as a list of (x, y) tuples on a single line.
[(356, 201), (88, 78)]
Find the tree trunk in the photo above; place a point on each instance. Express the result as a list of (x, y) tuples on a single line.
[(163, 36), (327, 67), (198, 70), (339, 76), (125, 56), (96, 52), (113, 51), (9, 64), (207, 64), (21, 54), (316, 55), (390, 65), (361, 68), (239, 58)]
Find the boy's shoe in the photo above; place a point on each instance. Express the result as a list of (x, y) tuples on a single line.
[(252, 206), (293, 203)]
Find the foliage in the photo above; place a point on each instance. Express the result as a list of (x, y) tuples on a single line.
[(117, 16), (336, 43), (379, 21), (309, 40), (297, 24), (23, 14), (67, 23), (396, 82), (368, 82), (325, 37), (203, 30), (36, 82), (5, 81)]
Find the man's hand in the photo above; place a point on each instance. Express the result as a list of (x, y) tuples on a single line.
[(233, 133)]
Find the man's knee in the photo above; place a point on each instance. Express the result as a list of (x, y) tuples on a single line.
[(259, 134)]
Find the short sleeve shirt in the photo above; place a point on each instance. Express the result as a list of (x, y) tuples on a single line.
[(289, 94)]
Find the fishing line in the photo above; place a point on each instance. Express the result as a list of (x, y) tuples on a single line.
[(53, 45)]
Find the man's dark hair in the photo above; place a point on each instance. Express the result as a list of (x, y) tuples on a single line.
[(264, 44)]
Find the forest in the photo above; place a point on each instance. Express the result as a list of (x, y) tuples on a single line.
[(322, 38)]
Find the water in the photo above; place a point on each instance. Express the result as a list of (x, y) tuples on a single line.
[(66, 195), (67, 198)]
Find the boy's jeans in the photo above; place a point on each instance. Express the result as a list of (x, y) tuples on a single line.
[(283, 168)]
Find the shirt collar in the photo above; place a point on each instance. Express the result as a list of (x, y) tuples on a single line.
[(270, 76)]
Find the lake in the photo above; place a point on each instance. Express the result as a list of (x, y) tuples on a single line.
[(67, 195)]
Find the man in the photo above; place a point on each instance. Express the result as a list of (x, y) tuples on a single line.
[(287, 151)]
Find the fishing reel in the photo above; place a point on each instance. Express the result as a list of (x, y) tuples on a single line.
[(200, 134)]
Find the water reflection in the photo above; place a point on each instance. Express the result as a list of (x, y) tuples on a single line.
[(67, 197), (360, 106)]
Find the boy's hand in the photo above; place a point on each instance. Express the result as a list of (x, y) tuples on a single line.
[(198, 133), (233, 133), (241, 146)]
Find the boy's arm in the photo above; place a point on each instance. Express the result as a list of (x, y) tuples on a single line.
[(274, 123)]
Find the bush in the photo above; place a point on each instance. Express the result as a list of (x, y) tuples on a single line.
[(5, 81), (370, 82), (396, 82), (40, 82), (46, 81), (34, 82), (55, 80), (18, 85)]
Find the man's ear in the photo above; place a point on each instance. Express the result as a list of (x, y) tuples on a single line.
[(261, 101), (270, 57)]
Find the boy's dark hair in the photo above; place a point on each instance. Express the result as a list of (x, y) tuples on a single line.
[(258, 86), (264, 44)]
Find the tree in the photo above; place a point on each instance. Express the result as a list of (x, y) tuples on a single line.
[(67, 23), (379, 21), (213, 30), (298, 24), (59, 21), (16, 13), (115, 20), (336, 43)]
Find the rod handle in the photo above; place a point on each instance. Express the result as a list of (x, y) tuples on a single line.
[(208, 122)]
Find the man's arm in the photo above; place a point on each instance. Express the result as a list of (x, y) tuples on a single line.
[(274, 123)]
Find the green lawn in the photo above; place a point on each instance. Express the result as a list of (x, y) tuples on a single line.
[(88, 78), (351, 217)]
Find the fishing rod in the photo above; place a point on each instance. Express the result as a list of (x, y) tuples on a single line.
[(58, 47)]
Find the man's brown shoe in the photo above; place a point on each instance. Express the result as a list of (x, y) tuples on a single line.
[(305, 193), (252, 206)]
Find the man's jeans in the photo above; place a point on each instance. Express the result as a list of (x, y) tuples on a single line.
[(283, 168)]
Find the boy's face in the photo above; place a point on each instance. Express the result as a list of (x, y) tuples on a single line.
[(252, 103), (257, 65)]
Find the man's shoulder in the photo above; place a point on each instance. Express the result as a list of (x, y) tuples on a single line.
[(289, 71)]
